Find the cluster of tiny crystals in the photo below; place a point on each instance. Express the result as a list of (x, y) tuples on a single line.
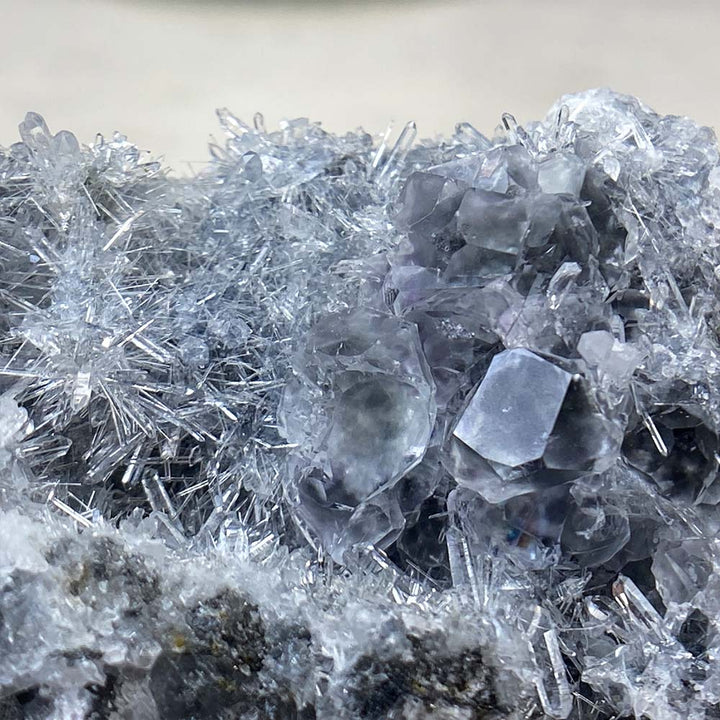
[(344, 427)]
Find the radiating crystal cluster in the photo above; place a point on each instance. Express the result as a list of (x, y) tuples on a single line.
[(340, 429)]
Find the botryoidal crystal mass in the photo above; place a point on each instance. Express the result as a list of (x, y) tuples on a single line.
[(342, 428)]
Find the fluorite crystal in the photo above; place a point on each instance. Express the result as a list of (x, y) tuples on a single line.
[(347, 429), (511, 415), (361, 414)]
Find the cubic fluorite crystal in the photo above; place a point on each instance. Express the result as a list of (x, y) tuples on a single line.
[(361, 415), (339, 429), (510, 417)]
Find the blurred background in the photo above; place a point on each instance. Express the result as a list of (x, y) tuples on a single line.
[(156, 69)]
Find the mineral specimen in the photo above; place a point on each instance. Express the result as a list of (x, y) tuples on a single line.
[(513, 412), (340, 429)]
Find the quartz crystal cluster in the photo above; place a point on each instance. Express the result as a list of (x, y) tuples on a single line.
[(343, 428)]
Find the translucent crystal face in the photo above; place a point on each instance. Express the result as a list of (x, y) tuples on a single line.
[(378, 431), (492, 221), (362, 417), (510, 417)]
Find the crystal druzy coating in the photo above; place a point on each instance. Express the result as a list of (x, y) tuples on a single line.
[(339, 429)]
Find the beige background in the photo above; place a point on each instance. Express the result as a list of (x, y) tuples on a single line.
[(156, 70)]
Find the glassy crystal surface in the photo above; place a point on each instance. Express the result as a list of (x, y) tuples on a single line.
[(510, 417), (361, 414)]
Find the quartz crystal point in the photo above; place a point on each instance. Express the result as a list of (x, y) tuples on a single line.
[(343, 428)]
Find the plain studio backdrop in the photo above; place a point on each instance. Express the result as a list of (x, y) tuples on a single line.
[(156, 70)]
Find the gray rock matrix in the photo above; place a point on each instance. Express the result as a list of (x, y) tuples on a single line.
[(343, 428)]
